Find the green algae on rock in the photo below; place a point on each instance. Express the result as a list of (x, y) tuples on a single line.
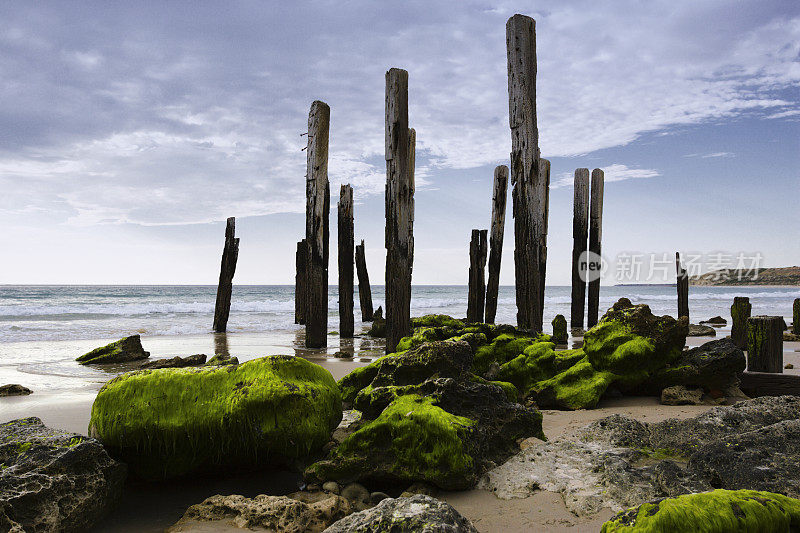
[(121, 351), (717, 511), (172, 422), (415, 439)]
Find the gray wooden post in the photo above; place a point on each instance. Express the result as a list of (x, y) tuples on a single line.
[(580, 234), (477, 279), (595, 237), (318, 202), (499, 195), (230, 253), (740, 312), (364, 290), (682, 284), (765, 344), (345, 243), (529, 194), (796, 316), (400, 150), (301, 265)]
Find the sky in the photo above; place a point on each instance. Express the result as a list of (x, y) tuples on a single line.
[(129, 132)]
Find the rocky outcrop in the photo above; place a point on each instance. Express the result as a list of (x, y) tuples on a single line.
[(680, 395), (14, 389), (170, 422), (418, 514), (426, 418), (222, 360), (619, 462), (122, 351), (715, 321), (718, 511), (52, 480), (176, 362), (287, 514), (701, 331)]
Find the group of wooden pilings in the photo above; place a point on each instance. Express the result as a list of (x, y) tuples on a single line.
[(587, 225)]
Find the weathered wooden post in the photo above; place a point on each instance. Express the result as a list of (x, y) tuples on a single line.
[(580, 234), (765, 344), (477, 279), (595, 236), (529, 193), (345, 227), (318, 202), (499, 194), (740, 312), (230, 253), (364, 290), (796, 317), (682, 283), (400, 149), (301, 264), (544, 176)]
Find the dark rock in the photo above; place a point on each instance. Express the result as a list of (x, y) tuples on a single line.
[(176, 362), (14, 389), (52, 480), (560, 330), (766, 458), (378, 327), (377, 497), (715, 321), (790, 337), (418, 514), (357, 495), (121, 351), (378, 314), (789, 366), (680, 395), (714, 366), (222, 360), (701, 331)]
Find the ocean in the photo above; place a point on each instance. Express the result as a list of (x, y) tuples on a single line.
[(44, 328)]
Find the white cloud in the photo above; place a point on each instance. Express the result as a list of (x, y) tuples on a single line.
[(611, 173), (712, 155)]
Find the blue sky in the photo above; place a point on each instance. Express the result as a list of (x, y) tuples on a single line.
[(130, 130)]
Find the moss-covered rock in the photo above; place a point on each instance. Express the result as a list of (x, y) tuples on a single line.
[(378, 328), (717, 511), (560, 335), (121, 351), (222, 360), (171, 422)]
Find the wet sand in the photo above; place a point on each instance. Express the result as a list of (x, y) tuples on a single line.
[(147, 507)]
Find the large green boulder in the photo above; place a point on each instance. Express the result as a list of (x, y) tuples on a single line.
[(172, 422), (717, 511)]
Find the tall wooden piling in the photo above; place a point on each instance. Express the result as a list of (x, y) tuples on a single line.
[(300, 264), (765, 344), (477, 278), (740, 312), (345, 242), (595, 237), (529, 193), (318, 202), (230, 253), (499, 195), (364, 290), (399, 152), (544, 176), (796, 316), (580, 235), (682, 283)]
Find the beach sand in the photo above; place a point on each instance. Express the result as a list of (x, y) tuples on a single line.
[(151, 508)]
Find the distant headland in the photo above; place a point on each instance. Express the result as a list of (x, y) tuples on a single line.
[(760, 276)]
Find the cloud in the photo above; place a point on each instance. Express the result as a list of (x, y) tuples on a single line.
[(712, 155), (166, 114), (611, 173)]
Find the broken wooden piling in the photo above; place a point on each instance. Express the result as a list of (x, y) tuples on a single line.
[(796, 316), (580, 235), (399, 239), (230, 253), (682, 284), (477, 279), (345, 243), (529, 193), (300, 264), (594, 265), (318, 201), (740, 312), (765, 344), (499, 195), (364, 290)]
